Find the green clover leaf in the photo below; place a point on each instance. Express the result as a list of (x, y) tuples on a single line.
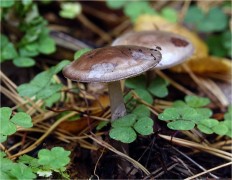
[(55, 159), (22, 119), (123, 134), (144, 126), (144, 95), (195, 101), (181, 125), (21, 171), (138, 82), (125, 121), (8, 126), (158, 87), (141, 111)]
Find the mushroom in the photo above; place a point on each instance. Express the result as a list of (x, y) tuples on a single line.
[(174, 48), (110, 65)]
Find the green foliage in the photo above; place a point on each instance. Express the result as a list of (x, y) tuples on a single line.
[(215, 23), (144, 126), (55, 159), (213, 20), (7, 47), (184, 115), (170, 14), (144, 95), (80, 52), (138, 82), (220, 44), (28, 167), (42, 85), (134, 9), (158, 87), (124, 129), (181, 118), (35, 35), (7, 3), (195, 101), (116, 4), (23, 62), (70, 10), (141, 111), (9, 123)]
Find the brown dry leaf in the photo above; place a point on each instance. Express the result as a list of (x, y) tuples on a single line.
[(77, 126), (101, 103), (200, 62), (208, 64)]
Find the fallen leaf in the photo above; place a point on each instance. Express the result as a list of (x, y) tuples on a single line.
[(77, 126), (208, 64)]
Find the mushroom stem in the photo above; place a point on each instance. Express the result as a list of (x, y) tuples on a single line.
[(117, 105)]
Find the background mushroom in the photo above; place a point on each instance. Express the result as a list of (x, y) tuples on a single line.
[(174, 48), (112, 64)]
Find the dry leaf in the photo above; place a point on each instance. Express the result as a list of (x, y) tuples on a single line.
[(77, 126), (208, 64)]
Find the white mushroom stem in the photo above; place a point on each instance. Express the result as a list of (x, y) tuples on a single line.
[(117, 105)]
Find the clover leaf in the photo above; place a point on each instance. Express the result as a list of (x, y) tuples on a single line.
[(22, 119), (42, 86), (7, 4), (125, 121), (144, 126), (23, 62), (123, 129), (8, 124), (123, 134), (21, 171), (222, 129), (144, 95), (206, 125), (141, 111), (213, 20), (158, 87), (134, 9), (181, 125), (228, 115), (55, 158), (181, 118), (116, 4), (138, 82), (195, 101)]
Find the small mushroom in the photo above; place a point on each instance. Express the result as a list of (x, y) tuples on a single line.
[(174, 48), (112, 64)]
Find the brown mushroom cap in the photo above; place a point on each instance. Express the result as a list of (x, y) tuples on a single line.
[(112, 63), (174, 48)]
